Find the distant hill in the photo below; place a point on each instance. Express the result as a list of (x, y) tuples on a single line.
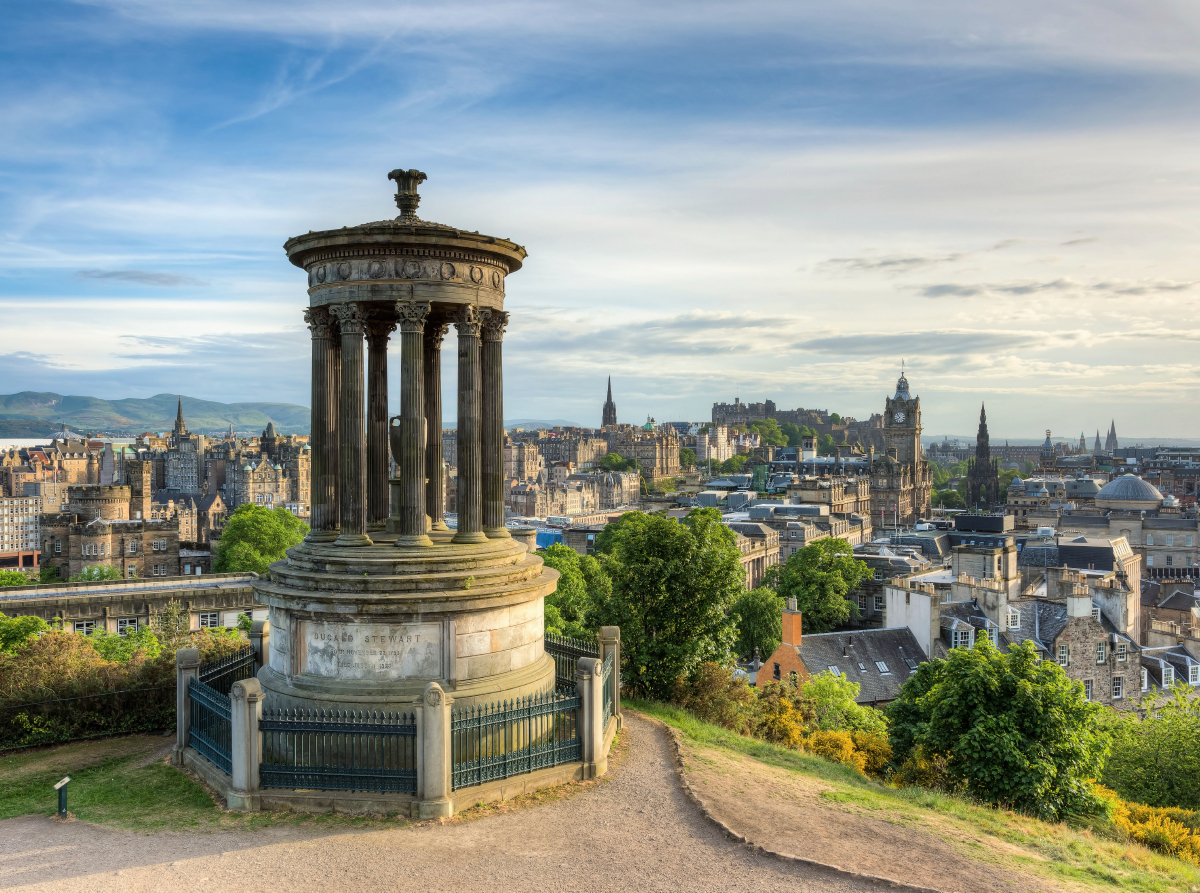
[(155, 413), (26, 428), (534, 424)]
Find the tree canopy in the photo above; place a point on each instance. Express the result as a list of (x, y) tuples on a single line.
[(97, 573), (13, 578), (254, 537), (1012, 728), (582, 583), (769, 432), (820, 577), (758, 616), (615, 462), (673, 584), (1156, 760), (687, 457)]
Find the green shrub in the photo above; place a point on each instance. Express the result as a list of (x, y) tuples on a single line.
[(714, 695), (1156, 760)]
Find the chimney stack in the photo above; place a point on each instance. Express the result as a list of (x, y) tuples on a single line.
[(791, 623)]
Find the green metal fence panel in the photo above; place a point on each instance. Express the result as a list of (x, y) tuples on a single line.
[(210, 730), (606, 688), (509, 738), (220, 675), (566, 651), (339, 750)]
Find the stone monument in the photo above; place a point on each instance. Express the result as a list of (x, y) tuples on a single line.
[(383, 598)]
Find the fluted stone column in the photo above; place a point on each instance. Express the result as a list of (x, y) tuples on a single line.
[(352, 425), (470, 493), (326, 383), (492, 436), (435, 484), (411, 458), (378, 498)]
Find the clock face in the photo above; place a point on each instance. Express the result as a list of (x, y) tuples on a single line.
[(899, 418)]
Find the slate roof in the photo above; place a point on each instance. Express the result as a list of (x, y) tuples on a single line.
[(855, 653), (1043, 621), (1155, 660)]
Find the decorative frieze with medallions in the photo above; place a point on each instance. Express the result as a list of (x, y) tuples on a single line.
[(444, 269)]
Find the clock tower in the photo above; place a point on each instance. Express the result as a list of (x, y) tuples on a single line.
[(902, 424), (901, 483)]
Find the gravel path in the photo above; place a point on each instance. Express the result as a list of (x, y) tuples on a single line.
[(636, 832)]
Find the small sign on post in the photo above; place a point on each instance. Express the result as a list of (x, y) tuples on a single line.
[(61, 787)]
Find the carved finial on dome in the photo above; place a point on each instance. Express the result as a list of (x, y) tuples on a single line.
[(407, 198)]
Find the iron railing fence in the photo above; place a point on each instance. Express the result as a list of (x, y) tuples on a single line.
[(210, 730), (336, 750), (510, 738), (60, 720), (606, 690), (566, 651), (220, 675)]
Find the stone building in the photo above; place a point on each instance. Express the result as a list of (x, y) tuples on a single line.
[(96, 530), (655, 448), (579, 446), (759, 548), (715, 444), (522, 461), (983, 472), (901, 483), (183, 460)]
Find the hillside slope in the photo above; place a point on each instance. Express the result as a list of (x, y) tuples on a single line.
[(155, 413), (799, 805)]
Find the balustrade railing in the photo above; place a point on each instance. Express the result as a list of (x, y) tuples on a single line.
[(510, 738), (335, 750)]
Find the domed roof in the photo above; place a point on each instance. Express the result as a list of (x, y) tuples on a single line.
[(1129, 486)]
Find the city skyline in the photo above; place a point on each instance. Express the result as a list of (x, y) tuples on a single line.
[(1001, 198)]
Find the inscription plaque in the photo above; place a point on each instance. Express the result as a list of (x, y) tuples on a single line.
[(372, 650)]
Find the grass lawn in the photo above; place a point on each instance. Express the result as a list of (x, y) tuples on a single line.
[(1086, 856), (123, 783)]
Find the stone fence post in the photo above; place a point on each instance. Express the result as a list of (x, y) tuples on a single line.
[(434, 759), (260, 641), (610, 643), (187, 668), (245, 701), (589, 677)]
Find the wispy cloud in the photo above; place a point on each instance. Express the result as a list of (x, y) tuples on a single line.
[(141, 277)]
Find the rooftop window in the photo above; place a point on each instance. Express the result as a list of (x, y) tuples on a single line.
[(882, 667)]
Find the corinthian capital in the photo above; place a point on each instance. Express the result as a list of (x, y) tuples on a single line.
[(435, 331), (467, 321), (412, 315), (351, 318), (494, 322), (319, 322), (378, 330)]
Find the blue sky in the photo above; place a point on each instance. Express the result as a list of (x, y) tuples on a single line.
[(766, 199)]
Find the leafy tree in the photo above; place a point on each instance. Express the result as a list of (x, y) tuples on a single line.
[(48, 573), (757, 615), (1006, 478), (172, 626), (791, 432), (1156, 760), (245, 623), (112, 646), (950, 499), (16, 631), (769, 432), (938, 476), (581, 581), (606, 539), (1027, 467), (830, 700), (673, 584), (13, 578), (820, 577), (733, 465), (825, 445), (1013, 729), (835, 419), (98, 573), (615, 462), (687, 457), (254, 537)]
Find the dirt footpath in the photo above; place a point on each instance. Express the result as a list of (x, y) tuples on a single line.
[(789, 814), (636, 831)]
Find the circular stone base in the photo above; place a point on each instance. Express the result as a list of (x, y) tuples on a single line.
[(368, 627)]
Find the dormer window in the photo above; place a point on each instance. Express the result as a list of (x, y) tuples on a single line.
[(1014, 619), (1194, 674), (961, 638), (1168, 675), (1122, 651)]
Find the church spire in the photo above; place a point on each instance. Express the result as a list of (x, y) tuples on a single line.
[(609, 413), (180, 427)]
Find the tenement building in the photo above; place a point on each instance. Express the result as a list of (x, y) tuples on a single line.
[(656, 449)]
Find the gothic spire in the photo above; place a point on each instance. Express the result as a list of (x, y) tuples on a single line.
[(180, 427)]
